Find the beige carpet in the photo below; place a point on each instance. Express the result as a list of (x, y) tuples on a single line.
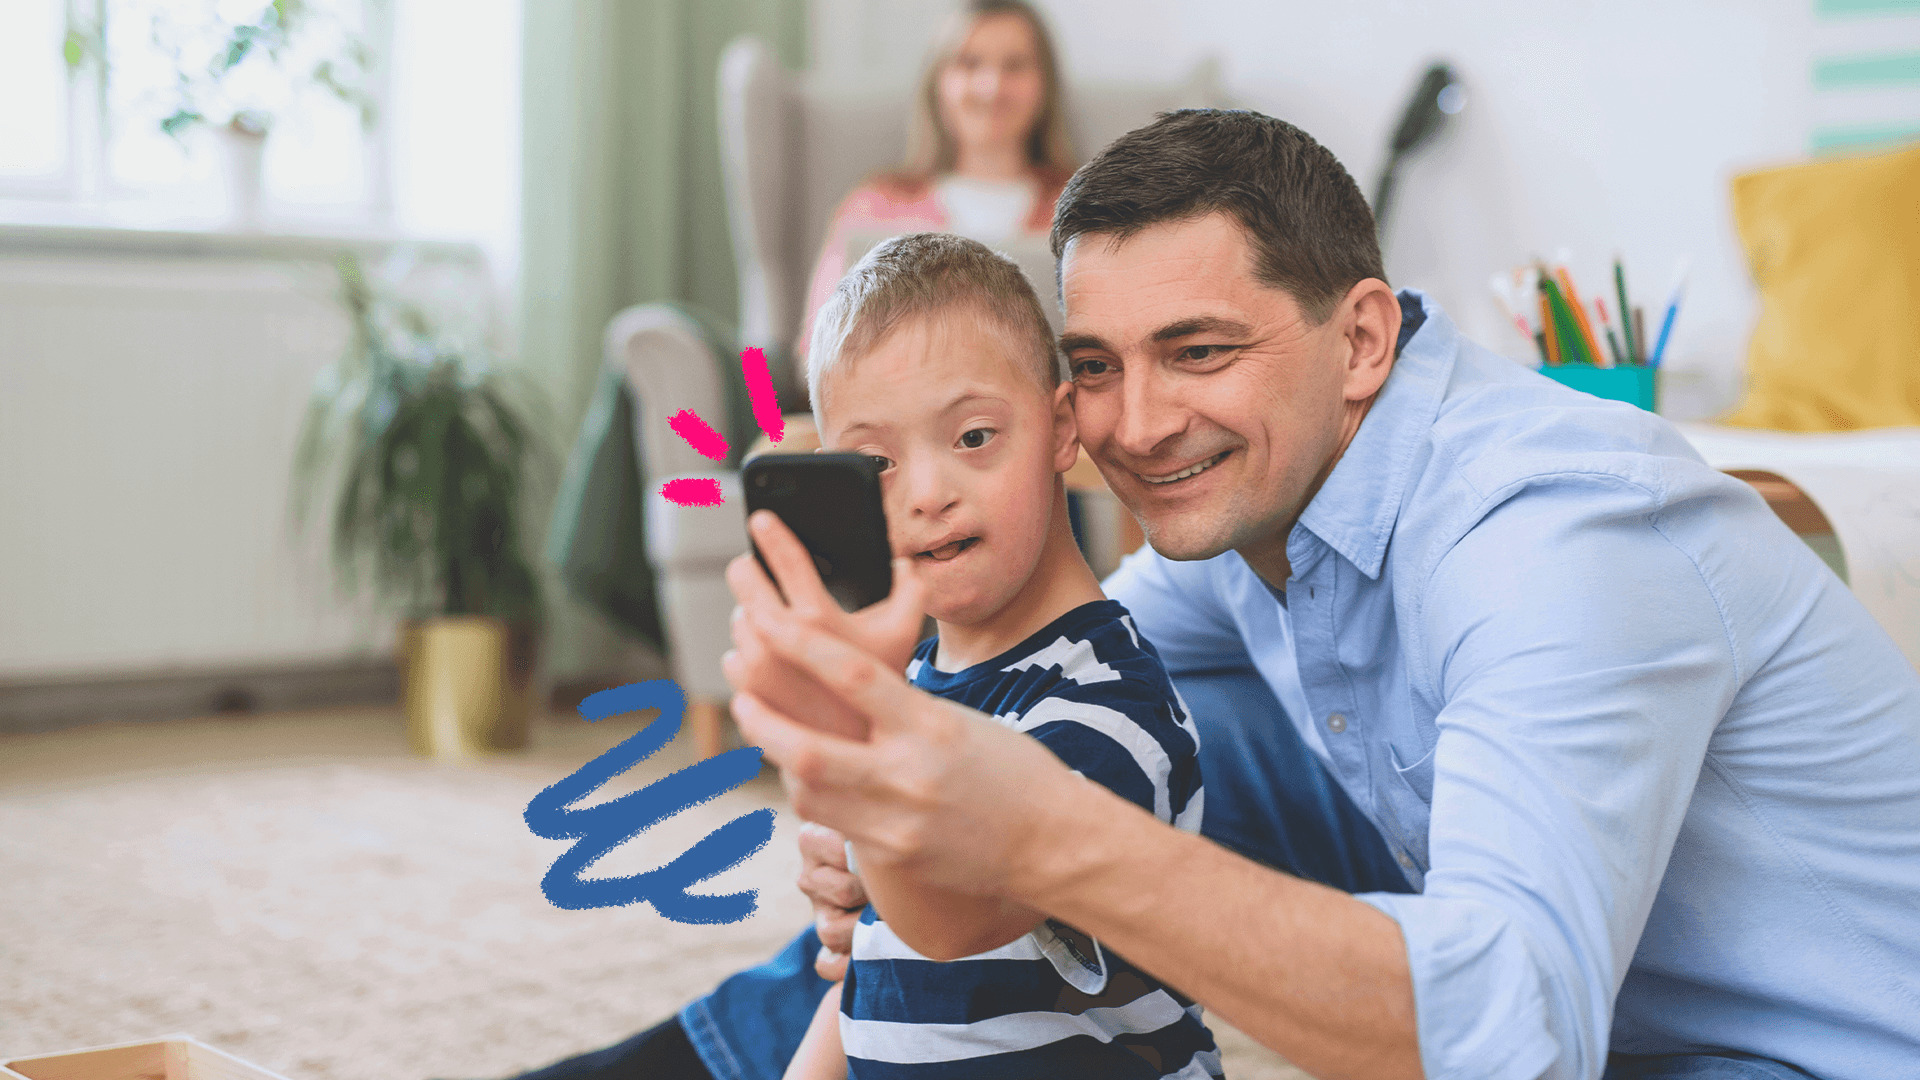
[(299, 891)]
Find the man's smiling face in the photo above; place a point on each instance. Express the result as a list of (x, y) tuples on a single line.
[(1209, 400)]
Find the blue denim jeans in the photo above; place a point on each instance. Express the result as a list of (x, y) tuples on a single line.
[(1268, 798), (1724, 1065)]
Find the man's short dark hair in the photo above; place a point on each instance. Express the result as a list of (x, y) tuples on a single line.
[(1311, 230)]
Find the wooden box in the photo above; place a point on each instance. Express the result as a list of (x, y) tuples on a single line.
[(173, 1057)]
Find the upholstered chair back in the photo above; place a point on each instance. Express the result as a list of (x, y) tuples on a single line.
[(794, 144)]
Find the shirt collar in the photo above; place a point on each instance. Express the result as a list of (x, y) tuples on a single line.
[(1354, 511)]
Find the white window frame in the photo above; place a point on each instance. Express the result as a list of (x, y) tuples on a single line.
[(84, 194)]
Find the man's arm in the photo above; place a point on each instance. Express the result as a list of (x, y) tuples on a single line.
[(1125, 734), (953, 798), (1584, 661), (1302, 968), (1576, 720)]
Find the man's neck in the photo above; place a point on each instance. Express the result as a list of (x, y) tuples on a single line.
[(1060, 582), (1267, 557)]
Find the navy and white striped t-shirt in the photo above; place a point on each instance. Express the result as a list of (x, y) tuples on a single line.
[(1053, 1004)]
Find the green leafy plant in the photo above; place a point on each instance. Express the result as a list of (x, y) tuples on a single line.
[(434, 461), (239, 74)]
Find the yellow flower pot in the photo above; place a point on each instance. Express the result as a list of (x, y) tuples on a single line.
[(468, 685)]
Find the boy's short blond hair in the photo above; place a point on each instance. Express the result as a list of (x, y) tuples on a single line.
[(919, 274)]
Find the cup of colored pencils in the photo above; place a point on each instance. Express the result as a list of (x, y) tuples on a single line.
[(1601, 347)]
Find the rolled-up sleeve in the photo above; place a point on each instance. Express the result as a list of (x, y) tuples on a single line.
[(1581, 660)]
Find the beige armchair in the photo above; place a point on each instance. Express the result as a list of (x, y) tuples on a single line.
[(792, 145)]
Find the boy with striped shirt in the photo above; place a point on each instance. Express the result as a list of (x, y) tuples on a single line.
[(934, 357)]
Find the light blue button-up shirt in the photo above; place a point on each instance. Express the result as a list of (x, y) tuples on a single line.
[(1653, 770)]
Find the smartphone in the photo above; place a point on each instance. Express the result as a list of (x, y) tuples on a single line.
[(832, 503)]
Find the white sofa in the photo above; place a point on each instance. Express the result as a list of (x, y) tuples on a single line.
[(1863, 489), (792, 145)]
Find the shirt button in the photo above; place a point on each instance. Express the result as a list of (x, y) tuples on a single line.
[(1401, 857), (1337, 723)]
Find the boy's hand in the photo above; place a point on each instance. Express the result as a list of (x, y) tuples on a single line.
[(887, 630), (837, 894)]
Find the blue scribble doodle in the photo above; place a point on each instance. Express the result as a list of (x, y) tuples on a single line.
[(600, 829)]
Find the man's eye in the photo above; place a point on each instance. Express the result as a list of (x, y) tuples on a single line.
[(1090, 367), (1201, 352), (976, 438)]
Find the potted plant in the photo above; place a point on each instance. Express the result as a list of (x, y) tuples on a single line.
[(433, 461), (235, 76)]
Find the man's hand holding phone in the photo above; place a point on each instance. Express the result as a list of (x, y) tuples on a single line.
[(888, 630)]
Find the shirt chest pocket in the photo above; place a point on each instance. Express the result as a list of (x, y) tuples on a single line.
[(1406, 794)]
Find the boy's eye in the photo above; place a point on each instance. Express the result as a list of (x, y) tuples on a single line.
[(883, 464), (976, 438)]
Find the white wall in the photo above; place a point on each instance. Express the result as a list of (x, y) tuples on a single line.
[(1597, 127)]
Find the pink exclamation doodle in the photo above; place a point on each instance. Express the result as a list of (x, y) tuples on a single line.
[(697, 433), (693, 491), (766, 408)]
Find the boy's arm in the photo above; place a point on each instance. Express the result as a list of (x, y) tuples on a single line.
[(820, 1055), (941, 924), (1123, 734)]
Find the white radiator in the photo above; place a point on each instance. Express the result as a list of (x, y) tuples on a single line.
[(149, 405)]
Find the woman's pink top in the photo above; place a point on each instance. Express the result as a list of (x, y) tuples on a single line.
[(899, 204)]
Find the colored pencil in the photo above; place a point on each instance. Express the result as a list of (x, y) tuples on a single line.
[(1666, 331), (1679, 292), (1573, 344), (1626, 311), (1606, 324), (1580, 316), (1549, 340)]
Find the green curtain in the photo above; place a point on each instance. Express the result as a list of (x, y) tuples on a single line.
[(621, 193), (622, 198)]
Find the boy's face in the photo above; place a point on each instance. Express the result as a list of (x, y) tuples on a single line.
[(970, 445)]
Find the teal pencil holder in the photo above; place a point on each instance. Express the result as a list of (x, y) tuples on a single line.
[(1633, 384)]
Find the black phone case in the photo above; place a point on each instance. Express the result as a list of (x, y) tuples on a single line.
[(832, 503)]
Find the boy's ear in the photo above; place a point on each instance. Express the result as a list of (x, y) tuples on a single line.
[(1066, 433)]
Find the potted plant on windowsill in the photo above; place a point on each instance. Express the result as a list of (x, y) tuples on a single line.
[(434, 461), (237, 76)]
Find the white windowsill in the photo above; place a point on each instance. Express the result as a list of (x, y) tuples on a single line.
[(40, 229)]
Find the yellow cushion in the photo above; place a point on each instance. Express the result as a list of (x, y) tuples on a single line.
[(1835, 249)]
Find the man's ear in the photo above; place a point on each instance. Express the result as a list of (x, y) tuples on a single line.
[(1066, 431), (1370, 322)]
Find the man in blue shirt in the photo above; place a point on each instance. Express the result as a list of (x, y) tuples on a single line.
[(1652, 774)]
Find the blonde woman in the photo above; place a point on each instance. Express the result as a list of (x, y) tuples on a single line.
[(987, 154)]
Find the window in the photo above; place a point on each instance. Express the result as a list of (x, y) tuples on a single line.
[(34, 155), (97, 78), (242, 65), (380, 114)]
